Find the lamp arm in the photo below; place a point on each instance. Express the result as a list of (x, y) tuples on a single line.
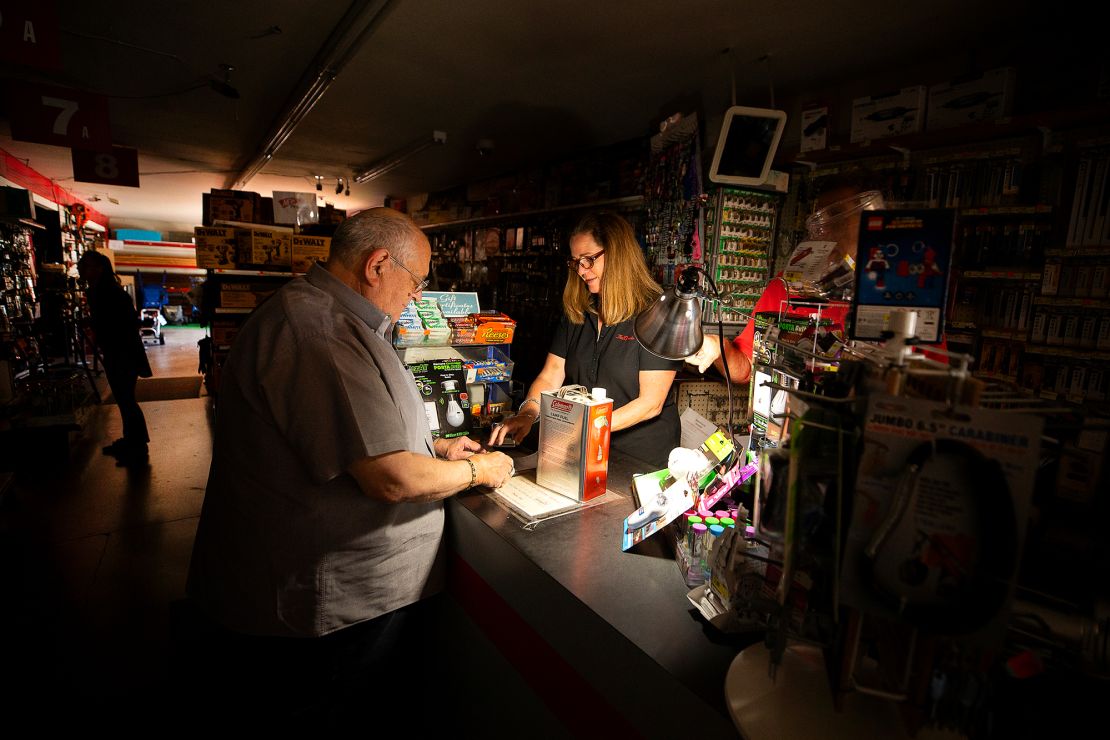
[(721, 338)]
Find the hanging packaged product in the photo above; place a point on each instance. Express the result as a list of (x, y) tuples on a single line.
[(574, 441), (446, 401), (942, 498)]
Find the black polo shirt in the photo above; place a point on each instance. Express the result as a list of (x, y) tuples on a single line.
[(613, 361)]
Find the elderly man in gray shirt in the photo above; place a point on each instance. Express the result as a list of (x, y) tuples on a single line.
[(323, 515)]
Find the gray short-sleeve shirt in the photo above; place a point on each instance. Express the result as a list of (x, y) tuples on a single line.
[(288, 544)]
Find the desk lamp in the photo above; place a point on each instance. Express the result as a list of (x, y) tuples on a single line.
[(671, 328)]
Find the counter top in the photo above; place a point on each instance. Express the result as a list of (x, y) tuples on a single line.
[(639, 594)]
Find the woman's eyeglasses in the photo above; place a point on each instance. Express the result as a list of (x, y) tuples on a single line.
[(584, 262)]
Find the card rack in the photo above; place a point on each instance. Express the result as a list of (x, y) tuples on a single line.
[(739, 230)]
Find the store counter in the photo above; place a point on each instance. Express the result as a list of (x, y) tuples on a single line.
[(606, 639)]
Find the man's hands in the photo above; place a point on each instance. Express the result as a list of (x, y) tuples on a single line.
[(494, 468), (457, 448)]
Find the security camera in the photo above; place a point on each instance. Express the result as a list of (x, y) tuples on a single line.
[(485, 147)]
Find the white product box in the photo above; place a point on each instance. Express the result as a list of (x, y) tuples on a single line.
[(985, 97), (815, 129), (574, 442), (890, 114)]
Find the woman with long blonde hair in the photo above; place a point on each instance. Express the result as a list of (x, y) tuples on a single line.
[(608, 287)]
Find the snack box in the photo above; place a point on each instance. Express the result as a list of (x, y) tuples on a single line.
[(493, 327)]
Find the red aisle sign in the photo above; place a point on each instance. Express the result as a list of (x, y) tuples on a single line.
[(117, 167), (61, 116), (29, 33)]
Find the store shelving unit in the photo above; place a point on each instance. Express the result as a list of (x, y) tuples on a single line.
[(230, 295)]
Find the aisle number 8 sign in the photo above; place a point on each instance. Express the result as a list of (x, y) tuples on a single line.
[(120, 166)]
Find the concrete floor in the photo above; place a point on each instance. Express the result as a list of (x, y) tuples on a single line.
[(92, 555)]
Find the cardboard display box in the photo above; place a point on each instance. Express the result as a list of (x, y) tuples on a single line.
[(216, 246), (890, 114), (265, 246), (244, 295), (230, 205), (307, 250), (224, 332), (985, 97)]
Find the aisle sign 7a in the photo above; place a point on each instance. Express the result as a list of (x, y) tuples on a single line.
[(45, 114)]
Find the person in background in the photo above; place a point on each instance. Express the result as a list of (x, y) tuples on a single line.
[(323, 517), (594, 346), (836, 218), (115, 327)]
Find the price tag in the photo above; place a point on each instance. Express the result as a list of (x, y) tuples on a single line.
[(120, 166)]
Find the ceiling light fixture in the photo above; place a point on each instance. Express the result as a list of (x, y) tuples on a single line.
[(225, 87), (399, 157), (339, 186), (352, 30), (320, 183)]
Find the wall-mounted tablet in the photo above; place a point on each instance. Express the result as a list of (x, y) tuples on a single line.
[(747, 145)]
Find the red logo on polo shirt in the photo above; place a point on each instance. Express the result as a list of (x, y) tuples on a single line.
[(626, 338)]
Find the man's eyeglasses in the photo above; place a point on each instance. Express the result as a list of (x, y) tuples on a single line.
[(584, 262), (421, 283)]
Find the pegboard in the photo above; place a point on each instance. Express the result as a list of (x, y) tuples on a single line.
[(710, 399)]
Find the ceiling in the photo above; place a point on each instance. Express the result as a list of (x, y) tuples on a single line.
[(537, 79)]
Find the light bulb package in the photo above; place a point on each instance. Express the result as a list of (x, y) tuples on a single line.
[(442, 387)]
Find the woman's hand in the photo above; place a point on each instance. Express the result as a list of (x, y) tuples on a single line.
[(516, 427)]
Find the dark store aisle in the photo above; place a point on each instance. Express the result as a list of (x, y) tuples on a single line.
[(92, 556)]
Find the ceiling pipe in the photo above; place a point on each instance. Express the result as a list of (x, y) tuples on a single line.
[(352, 30), (399, 157)]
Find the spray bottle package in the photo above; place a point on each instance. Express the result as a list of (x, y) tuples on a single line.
[(442, 386), (574, 441)]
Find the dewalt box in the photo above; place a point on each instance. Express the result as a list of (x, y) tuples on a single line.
[(309, 249), (224, 332), (269, 247), (216, 246), (244, 295)]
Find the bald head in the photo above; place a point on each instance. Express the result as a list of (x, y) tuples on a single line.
[(375, 228)]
